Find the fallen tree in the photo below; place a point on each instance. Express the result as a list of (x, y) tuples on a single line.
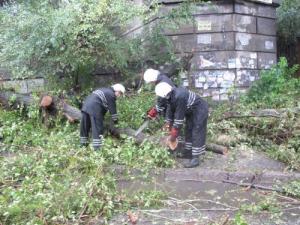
[(49, 105), (52, 105)]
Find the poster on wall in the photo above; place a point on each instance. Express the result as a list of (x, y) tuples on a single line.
[(204, 25)]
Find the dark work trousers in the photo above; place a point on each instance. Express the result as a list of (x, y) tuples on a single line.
[(195, 130), (96, 123)]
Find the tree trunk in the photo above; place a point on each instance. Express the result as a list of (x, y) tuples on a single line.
[(55, 105)]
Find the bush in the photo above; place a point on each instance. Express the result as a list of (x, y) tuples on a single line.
[(70, 38), (275, 88)]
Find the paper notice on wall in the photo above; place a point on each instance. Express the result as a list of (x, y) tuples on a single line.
[(253, 55), (204, 39), (265, 1), (204, 25), (269, 45), (244, 39), (231, 63)]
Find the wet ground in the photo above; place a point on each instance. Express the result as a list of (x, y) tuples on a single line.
[(243, 182)]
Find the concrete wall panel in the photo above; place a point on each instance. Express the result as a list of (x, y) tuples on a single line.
[(219, 7), (244, 78), (266, 60), (266, 26), (207, 79), (213, 60), (35, 85), (214, 23), (215, 41), (255, 42), (19, 86), (244, 23), (250, 8), (184, 28), (184, 43), (246, 60)]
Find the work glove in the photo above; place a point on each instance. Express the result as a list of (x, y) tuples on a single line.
[(166, 127), (173, 134), (152, 113), (172, 140)]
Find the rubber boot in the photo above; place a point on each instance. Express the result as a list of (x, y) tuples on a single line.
[(194, 162), (185, 154)]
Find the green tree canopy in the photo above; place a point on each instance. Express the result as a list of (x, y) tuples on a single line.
[(49, 37), (288, 15)]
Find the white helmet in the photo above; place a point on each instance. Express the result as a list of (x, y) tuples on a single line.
[(163, 89), (119, 87), (151, 75)]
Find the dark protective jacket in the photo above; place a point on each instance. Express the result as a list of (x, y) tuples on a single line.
[(99, 102), (182, 102), (161, 104)]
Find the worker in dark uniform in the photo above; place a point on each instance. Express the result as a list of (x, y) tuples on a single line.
[(93, 110), (185, 104), (155, 77), (161, 107)]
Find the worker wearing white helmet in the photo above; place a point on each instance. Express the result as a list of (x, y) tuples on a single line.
[(156, 77), (188, 106), (93, 110), (161, 107), (119, 89)]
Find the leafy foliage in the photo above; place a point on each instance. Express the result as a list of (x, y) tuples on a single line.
[(75, 35), (288, 20), (239, 220), (69, 38), (278, 137), (293, 188), (276, 87), (46, 178)]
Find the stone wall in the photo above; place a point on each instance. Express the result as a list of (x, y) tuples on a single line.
[(23, 86), (232, 42)]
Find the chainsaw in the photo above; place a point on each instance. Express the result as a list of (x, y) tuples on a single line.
[(142, 127)]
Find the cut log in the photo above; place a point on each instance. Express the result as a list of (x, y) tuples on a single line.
[(58, 105), (49, 104)]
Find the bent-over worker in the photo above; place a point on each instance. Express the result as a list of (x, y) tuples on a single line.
[(93, 110)]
